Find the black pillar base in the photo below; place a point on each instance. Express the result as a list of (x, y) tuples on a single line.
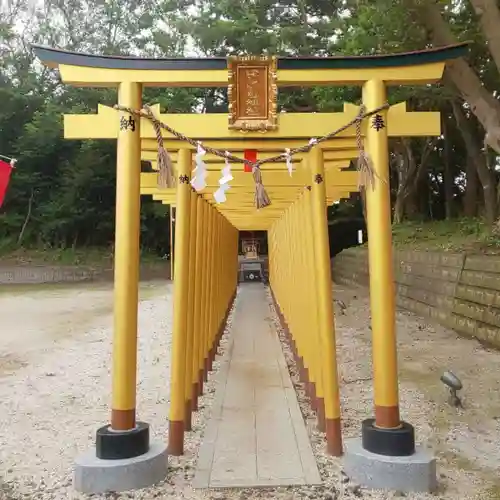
[(117, 445), (398, 442)]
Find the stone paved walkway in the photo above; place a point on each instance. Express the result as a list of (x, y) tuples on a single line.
[(256, 436)]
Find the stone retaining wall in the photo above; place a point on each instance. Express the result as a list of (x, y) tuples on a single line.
[(33, 274), (459, 291)]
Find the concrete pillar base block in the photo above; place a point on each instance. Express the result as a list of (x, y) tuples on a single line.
[(415, 473), (93, 475)]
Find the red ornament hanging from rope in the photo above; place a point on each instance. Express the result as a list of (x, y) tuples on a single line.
[(250, 155), (5, 172)]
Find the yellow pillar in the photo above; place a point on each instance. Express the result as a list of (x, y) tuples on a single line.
[(221, 299), (295, 271), (181, 285), (198, 292), (208, 289), (226, 274), (214, 289), (172, 238), (378, 205), (309, 300), (325, 303), (204, 296), (216, 285), (126, 286), (190, 342), (313, 308)]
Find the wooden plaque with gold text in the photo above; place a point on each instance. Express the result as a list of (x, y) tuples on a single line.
[(252, 93)]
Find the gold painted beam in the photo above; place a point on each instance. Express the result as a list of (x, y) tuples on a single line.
[(421, 74), (80, 76), (247, 199), (264, 146), (249, 204), (300, 178), (401, 123), (240, 191), (252, 216), (244, 224), (336, 159), (108, 77), (245, 179), (238, 203)]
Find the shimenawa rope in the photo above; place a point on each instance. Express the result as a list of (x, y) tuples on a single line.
[(262, 200)]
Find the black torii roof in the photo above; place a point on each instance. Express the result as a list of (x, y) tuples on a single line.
[(52, 56)]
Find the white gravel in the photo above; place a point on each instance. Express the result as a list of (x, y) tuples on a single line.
[(55, 347)]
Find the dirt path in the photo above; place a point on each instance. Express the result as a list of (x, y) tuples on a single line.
[(55, 347), (465, 441)]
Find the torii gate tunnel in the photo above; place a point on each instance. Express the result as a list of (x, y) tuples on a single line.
[(206, 232)]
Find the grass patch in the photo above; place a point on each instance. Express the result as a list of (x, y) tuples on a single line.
[(91, 256), (471, 235)]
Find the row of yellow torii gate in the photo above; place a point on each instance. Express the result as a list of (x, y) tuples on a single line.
[(206, 234)]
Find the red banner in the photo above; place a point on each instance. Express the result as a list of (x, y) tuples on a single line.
[(250, 155), (5, 171)]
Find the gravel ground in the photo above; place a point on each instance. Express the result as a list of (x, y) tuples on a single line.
[(55, 387)]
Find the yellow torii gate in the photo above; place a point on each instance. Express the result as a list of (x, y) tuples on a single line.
[(207, 232)]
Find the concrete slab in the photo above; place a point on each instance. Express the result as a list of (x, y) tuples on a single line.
[(256, 436), (93, 475), (416, 473)]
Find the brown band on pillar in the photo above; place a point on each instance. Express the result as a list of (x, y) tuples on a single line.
[(312, 395), (123, 420), (187, 416), (206, 369), (320, 414), (305, 370), (301, 370), (387, 417), (176, 438), (333, 437), (194, 396), (200, 382)]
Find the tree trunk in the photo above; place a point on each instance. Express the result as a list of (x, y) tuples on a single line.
[(448, 177), (489, 18), (485, 174), (416, 203), (398, 210), (471, 198), (411, 174), (401, 167), (481, 101), (28, 216)]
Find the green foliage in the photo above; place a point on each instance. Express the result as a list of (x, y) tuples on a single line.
[(70, 185), (465, 234)]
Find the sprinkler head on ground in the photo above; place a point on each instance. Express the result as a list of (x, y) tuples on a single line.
[(454, 384)]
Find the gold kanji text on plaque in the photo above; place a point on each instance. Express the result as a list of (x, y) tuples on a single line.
[(252, 93)]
